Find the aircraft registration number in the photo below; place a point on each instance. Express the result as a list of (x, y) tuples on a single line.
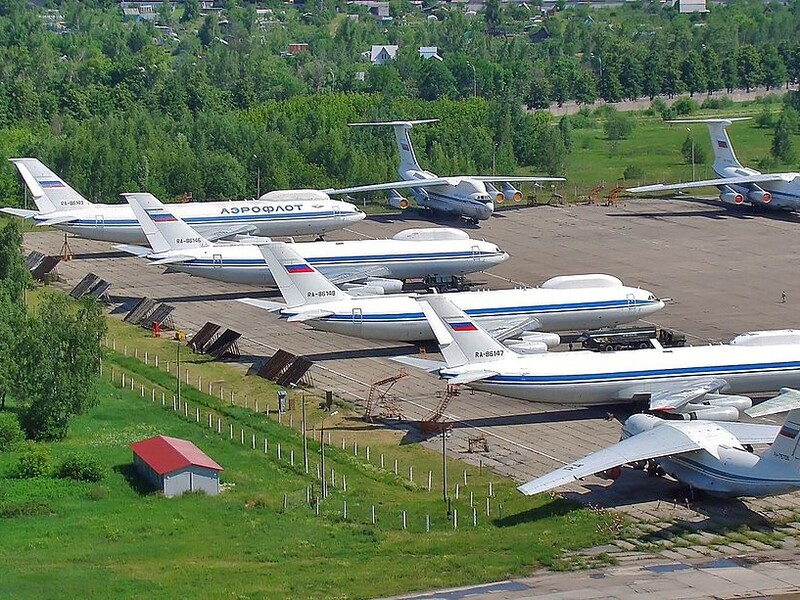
[(488, 353), (320, 293), (71, 202), (195, 240)]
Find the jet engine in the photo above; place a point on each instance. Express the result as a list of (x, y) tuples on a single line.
[(374, 286), (712, 413), (551, 340), (498, 196), (757, 195), (731, 197), (511, 193), (397, 201)]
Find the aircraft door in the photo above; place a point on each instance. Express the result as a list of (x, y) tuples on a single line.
[(631, 302), (99, 221), (476, 253), (357, 318), (216, 261)]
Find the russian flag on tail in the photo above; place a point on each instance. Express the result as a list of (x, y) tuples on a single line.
[(161, 217), (51, 184), (302, 268), (462, 326)]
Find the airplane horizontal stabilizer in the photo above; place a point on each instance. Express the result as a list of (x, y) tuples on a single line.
[(19, 212), (431, 366), (661, 187), (135, 250), (351, 276), (471, 376), (310, 315), (58, 220), (749, 433), (176, 258), (393, 123), (265, 304), (788, 399)]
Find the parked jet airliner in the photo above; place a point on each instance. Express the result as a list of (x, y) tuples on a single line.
[(380, 264), (289, 212), (712, 457), (562, 303), (737, 184), (687, 380), (470, 196)]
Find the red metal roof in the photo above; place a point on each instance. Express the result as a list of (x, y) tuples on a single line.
[(167, 454)]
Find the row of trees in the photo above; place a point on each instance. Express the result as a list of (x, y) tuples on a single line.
[(49, 355)]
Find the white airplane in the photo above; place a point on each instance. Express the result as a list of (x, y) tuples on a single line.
[(470, 196), (562, 303), (711, 457), (694, 382), (378, 265), (288, 212), (737, 184)]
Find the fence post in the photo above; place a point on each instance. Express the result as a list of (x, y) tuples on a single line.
[(491, 491), (430, 479), (404, 520), (219, 425), (163, 398), (230, 435), (395, 466), (427, 523), (456, 491), (455, 518), (367, 453), (488, 507), (465, 478), (291, 457), (242, 436), (373, 514), (344, 483), (344, 509), (254, 441), (411, 473), (474, 517), (279, 450), (266, 446), (381, 461)]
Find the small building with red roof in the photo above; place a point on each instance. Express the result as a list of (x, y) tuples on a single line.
[(176, 466)]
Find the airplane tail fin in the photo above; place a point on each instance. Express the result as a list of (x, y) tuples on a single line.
[(164, 230), (49, 191), (299, 282), (408, 158), (720, 142), (460, 339), (787, 442)]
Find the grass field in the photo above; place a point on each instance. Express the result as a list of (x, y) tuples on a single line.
[(63, 538)]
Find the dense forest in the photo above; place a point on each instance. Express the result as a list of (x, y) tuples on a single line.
[(211, 103)]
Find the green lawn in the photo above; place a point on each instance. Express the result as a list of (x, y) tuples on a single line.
[(112, 539)]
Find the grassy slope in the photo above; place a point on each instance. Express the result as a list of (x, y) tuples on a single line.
[(241, 544)]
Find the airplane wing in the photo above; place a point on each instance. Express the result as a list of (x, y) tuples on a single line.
[(350, 276), (308, 315), (19, 212), (417, 183), (265, 304), (431, 366), (785, 401), (655, 443), (57, 220), (671, 399), (135, 250), (222, 234), (471, 376), (512, 328), (660, 187), (748, 433)]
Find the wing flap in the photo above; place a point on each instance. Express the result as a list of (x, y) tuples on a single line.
[(431, 366), (655, 443), (513, 328), (135, 250), (177, 258), (749, 433), (672, 399), (350, 276), (788, 399), (471, 376), (222, 234)]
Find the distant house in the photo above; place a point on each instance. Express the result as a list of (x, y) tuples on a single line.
[(427, 52), (295, 49), (380, 55), (540, 35), (174, 466), (378, 10), (140, 11), (692, 6)]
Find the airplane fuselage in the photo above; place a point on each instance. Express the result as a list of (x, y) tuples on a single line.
[(784, 194), (588, 378), (468, 197), (117, 223), (399, 318), (398, 259)]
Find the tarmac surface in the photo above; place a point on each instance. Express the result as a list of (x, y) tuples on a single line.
[(725, 271)]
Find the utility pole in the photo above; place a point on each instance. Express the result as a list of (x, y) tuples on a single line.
[(444, 465), (178, 368), (692, 138), (305, 439)]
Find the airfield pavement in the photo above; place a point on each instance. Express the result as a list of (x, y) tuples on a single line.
[(725, 271)]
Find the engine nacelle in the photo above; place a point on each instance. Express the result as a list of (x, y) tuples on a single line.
[(357, 289), (740, 403), (722, 413), (575, 282), (776, 337), (511, 193), (397, 201), (734, 198), (430, 234), (526, 347), (551, 340), (759, 196), (389, 286), (498, 196)]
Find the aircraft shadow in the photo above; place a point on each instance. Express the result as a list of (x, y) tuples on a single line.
[(363, 353), (267, 294), (720, 211), (104, 254), (437, 218)]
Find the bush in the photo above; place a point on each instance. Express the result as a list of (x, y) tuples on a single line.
[(10, 431), (582, 119), (619, 126), (633, 172), (34, 461), (659, 107), (717, 102), (685, 106), (766, 119), (81, 467)]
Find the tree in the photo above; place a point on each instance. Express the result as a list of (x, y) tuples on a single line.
[(209, 30), (493, 14), (436, 81), (191, 10), (585, 88), (692, 152), (775, 72), (713, 69), (59, 364), (618, 126), (693, 73), (782, 146), (749, 67)]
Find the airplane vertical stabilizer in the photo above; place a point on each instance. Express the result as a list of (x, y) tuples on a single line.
[(299, 282), (724, 156), (787, 443), (49, 191), (164, 230), (408, 158), (461, 340)]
